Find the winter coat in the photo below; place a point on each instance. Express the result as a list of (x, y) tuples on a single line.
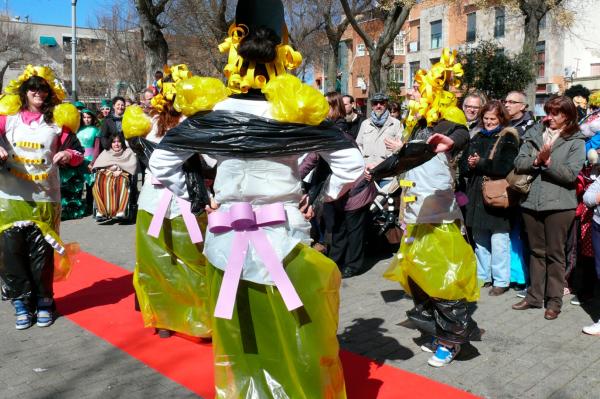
[(478, 215), (370, 139), (553, 187), (111, 125)]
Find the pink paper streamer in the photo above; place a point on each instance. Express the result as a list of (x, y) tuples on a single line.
[(188, 217), (247, 225)]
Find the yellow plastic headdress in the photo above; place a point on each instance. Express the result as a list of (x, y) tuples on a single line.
[(594, 99), (436, 101), (241, 76), (167, 90), (10, 102)]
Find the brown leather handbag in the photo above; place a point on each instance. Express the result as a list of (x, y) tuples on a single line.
[(497, 193)]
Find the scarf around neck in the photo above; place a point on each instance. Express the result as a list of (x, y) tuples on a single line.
[(550, 135), (379, 120), (489, 133), (125, 160)]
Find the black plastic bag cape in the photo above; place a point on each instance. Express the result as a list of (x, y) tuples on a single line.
[(243, 135)]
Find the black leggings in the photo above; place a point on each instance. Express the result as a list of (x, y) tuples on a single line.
[(26, 264)]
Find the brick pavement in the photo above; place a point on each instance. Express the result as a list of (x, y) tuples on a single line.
[(522, 355)]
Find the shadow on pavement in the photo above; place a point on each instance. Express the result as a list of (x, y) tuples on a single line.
[(102, 292), (366, 337)]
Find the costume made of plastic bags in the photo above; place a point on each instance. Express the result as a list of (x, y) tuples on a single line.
[(266, 351), (170, 278), (438, 259)]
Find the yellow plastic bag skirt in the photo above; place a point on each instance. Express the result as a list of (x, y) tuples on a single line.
[(266, 351), (170, 278), (439, 260)]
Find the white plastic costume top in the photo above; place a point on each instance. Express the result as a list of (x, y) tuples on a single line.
[(259, 182), (29, 174), (434, 192)]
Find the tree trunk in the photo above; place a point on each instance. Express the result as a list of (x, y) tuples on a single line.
[(332, 64), (156, 48), (3, 67)]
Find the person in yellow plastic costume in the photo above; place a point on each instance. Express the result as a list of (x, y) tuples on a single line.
[(33, 129), (435, 264), (275, 299), (170, 274)]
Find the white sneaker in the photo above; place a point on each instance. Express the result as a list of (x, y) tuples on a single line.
[(575, 301), (594, 329)]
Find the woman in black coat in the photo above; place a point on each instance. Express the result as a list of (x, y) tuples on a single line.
[(490, 226), (112, 124)]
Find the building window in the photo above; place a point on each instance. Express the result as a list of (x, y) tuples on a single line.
[(499, 22), (396, 74), (436, 34), (361, 50), (414, 67), (595, 69), (471, 27), (400, 44), (540, 51)]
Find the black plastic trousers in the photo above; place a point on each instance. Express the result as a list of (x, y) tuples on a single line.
[(446, 320), (26, 265)]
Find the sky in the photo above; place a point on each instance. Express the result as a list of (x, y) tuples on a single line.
[(57, 12)]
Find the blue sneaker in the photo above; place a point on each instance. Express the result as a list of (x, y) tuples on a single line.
[(23, 315), (443, 356), (431, 346), (44, 312)]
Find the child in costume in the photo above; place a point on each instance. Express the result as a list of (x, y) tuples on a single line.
[(89, 137), (31, 135), (435, 264), (275, 299), (170, 274)]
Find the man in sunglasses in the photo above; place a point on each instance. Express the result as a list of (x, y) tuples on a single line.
[(374, 130), (516, 105)]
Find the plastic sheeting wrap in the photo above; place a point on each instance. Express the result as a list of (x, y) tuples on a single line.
[(10, 104), (439, 260), (66, 115), (198, 94), (295, 102), (63, 264), (135, 122), (266, 351), (170, 278)]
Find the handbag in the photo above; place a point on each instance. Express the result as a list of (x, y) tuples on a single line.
[(497, 193), (521, 183)]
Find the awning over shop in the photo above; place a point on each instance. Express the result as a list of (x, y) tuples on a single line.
[(48, 41)]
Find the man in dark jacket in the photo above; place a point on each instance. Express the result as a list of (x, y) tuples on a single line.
[(520, 117), (353, 119)]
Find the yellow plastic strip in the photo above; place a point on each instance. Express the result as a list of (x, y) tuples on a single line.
[(29, 145), (29, 177), (407, 183), (410, 198), (27, 161)]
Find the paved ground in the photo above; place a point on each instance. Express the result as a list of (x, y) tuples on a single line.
[(522, 355)]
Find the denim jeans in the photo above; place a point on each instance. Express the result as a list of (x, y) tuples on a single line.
[(492, 250)]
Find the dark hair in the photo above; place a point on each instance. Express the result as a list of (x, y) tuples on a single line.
[(117, 98), (94, 118), (336, 105), (117, 135), (395, 107), (37, 83), (259, 45), (563, 105), (348, 96), (167, 119), (497, 108)]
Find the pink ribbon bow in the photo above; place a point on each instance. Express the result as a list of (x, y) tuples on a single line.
[(186, 212), (247, 226)]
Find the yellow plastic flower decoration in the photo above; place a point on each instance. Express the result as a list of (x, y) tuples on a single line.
[(45, 72), (136, 122), (199, 94), (242, 76), (437, 102), (594, 99), (67, 115), (167, 91)]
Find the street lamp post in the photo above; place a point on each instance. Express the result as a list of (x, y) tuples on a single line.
[(74, 50)]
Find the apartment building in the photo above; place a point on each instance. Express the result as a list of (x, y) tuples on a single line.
[(564, 57)]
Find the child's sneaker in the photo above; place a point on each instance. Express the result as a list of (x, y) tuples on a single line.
[(443, 355), (44, 312), (23, 315), (594, 329)]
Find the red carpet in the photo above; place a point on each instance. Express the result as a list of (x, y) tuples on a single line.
[(98, 296)]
